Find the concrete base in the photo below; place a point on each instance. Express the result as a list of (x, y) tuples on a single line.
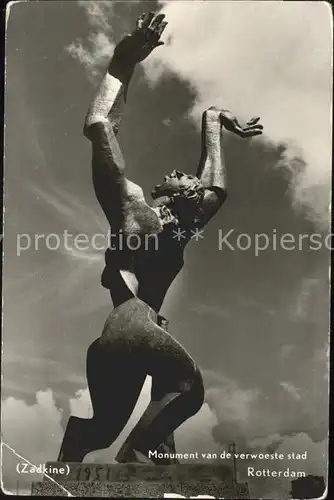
[(139, 481)]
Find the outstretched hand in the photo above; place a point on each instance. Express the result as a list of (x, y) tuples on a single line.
[(135, 47), (230, 122)]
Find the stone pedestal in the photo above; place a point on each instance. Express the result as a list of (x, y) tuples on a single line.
[(139, 481)]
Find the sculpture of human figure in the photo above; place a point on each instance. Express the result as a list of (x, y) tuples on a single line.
[(135, 342)]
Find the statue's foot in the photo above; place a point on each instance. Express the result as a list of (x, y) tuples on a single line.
[(128, 455), (166, 455), (75, 445)]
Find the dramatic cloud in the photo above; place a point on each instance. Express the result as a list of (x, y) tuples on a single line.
[(253, 418), (255, 422), (33, 432), (38, 435), (249, 418), (94, 52), (271, 59), (259, 324)]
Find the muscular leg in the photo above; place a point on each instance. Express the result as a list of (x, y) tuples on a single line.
[(178, 391), (133, 345), (157, 393), (115, 383), (161, 418), (168, 445)]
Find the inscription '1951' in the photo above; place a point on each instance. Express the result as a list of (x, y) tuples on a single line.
[(98, 473)]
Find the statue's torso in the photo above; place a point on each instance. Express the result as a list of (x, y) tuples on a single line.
[(152, 260)]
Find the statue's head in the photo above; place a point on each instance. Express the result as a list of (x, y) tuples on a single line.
[(178, 185), (182, 193)]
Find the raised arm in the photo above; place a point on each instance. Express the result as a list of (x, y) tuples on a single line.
[(109, 100), (108, 103), (105, 113), (212, 168)]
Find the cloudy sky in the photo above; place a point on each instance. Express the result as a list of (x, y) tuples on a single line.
[(258, 326)]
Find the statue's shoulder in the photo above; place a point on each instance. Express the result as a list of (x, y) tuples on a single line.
[(134, 192), (138, 216)]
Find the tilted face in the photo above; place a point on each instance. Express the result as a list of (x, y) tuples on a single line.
[(173, 183)]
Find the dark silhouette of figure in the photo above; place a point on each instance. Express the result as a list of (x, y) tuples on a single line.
[(135, 342)]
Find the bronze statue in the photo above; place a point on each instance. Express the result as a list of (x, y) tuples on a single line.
[(135, 342)]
